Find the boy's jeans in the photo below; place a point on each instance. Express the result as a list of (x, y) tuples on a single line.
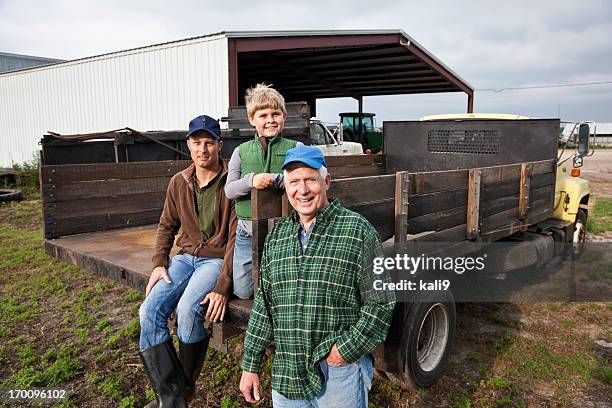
[(243, 257), (346, 386), (192, 279)]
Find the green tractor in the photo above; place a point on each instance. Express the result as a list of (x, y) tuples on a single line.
[(360, 128)]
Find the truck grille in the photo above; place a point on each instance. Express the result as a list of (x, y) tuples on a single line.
[(475, 141)]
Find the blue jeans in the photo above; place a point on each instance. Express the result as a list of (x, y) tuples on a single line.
[(192, 279), (243, 257), (346, 386)]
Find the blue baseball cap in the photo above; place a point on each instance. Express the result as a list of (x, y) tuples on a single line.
[(205, 123), (310, 156)]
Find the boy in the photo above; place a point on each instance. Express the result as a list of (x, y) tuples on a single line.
[(256, 163)]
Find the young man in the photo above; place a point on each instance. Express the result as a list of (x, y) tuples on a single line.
[(197, 281), (315, 298), (256, 163)]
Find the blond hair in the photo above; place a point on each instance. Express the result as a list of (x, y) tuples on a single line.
[(263, 96)]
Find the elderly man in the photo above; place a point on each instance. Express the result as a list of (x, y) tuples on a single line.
[(197, 281), (313, 299)]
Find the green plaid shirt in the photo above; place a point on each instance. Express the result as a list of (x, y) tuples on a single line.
[(306, 303)]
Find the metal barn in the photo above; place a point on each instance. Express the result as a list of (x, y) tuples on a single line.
[(160, 87)]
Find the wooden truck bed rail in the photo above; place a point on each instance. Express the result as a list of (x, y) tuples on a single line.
[(479, 204)]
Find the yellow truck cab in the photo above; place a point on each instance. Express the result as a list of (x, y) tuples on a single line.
[(571, 192)]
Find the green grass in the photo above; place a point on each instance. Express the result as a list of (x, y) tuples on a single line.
[(230, 403), (538, 361), (132, 330), (64, 368), (600, 219), (103, 324), (603, 373), (112, 386), (464, 403)]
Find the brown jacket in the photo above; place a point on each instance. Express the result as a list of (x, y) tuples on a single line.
[(180, 213)]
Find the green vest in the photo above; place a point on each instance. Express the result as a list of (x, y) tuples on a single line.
[(252, 160)]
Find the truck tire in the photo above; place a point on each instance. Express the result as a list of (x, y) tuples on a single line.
[(580, 231), (427, 338), (10, 195)]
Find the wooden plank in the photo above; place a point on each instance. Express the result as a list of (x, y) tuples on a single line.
[(356, 171), (508, 217), (402, 194), (437, 221), (285, 206), (516, 226), (103, 188), (380, 215), (435, 202), (507, 172), (454, 234), (100, 222), (422, 204), (450, 218), (351, 191), (260, 230), (505, 203), (434, 181), (86, 207), (526, 170), (93, 263), (473, 204), (266, 203), (70, 173)]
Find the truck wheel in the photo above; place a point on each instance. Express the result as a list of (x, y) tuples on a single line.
[(10, 195), (429, 331), (580, 231)]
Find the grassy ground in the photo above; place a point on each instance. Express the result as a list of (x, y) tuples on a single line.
[(600, 219), (65, 327)]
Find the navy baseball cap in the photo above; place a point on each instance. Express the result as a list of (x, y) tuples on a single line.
[(310, 156), (205, 123)]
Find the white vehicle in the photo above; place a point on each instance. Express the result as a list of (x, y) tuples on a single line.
[(331, 142)]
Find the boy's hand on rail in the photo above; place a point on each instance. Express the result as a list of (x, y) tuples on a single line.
[(217, 304), (262, 180), (160, 272)]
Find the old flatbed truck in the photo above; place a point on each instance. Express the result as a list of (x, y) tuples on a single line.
[(466, 182)]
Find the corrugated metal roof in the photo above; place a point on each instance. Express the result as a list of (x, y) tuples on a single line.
[(250, 34), (15, 62), (279, 34)]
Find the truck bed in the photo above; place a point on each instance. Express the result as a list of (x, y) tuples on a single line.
[(124, 255)]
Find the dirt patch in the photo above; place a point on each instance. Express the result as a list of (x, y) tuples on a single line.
[(598, 170)]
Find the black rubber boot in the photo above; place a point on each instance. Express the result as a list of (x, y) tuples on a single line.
[(192, 357), (165, 374)]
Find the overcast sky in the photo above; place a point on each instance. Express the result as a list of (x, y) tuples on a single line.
[(490, 44)]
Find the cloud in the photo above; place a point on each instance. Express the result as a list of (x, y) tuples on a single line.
[(491, 44)]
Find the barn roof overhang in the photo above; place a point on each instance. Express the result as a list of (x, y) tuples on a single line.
[(309, 65)]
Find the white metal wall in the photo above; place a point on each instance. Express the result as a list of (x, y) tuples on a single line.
[(154, 88)]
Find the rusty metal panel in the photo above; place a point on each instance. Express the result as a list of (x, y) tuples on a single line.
[(420, 146)]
